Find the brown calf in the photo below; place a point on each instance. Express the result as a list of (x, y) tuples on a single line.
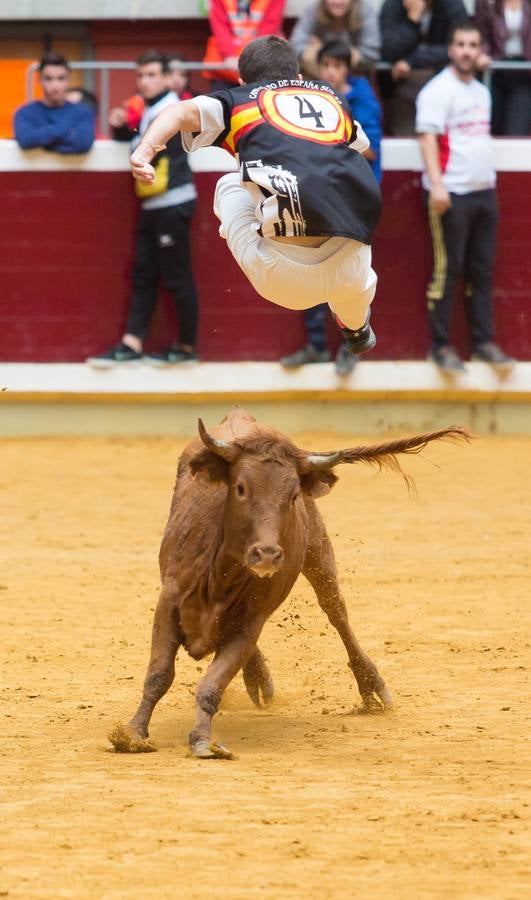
[(243, 525)]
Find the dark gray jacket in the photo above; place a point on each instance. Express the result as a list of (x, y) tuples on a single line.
[(402, 39)]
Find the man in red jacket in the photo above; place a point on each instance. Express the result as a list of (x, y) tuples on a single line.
[(234, 24)]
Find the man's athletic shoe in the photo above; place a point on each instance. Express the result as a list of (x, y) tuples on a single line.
[(172, 356), (491, 353), (360, 341), (305, 356), (345, 360), (115, 356), (447, 358)]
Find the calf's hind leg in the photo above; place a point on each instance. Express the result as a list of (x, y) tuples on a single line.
[(165, 641), (257, 679), (320, 569)]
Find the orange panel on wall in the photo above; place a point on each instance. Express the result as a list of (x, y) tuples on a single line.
[(13, 73)]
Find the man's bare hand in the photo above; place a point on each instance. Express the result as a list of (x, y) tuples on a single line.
[(483, 62), (355, 57), (440, 199), (415, 9), (117, 117), (401, 69), (141, 166)]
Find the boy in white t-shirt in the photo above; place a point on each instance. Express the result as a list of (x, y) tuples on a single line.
[(453, 124)]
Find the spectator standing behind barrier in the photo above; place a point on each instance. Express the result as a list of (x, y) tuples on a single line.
[(505, 27), (415, 37), (453, 116), (53, 123), (234, 24), (334, 66), (177, 82), (162, 250), (352, 21)]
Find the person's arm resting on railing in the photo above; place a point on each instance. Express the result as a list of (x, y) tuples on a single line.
[(32, 131), (79, 135)]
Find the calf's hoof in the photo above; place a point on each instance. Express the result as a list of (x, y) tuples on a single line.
[(377, 701), (203, 749), (125, 740), (261, 691), (258, 682)]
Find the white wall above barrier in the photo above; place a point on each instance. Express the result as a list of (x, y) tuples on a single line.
[(118, 9), (398, 155)]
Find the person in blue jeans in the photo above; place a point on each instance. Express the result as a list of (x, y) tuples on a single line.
[(334, 67), (53, 123)]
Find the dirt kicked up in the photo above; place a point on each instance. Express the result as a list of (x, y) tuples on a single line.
[(427, 801)]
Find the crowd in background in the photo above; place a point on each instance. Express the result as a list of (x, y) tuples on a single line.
[(338, 41)]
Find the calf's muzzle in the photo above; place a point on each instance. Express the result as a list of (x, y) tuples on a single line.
[(264, 559)]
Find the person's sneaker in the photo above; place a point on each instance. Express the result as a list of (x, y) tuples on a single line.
[(172, 356), (305, 356), (117, 355), (447, 358), (491, 353), (360, 341), (345, 360)]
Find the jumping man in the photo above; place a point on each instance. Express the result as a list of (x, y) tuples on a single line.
[(299, 216)]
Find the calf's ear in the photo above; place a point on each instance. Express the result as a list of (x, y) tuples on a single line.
[(317, 484), (210, 466)]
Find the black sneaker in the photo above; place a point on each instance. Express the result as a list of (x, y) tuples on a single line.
[(447, 358), (494, 355), (345, 360), (172, 356), (360, 341), (115, 356), (305, 356)]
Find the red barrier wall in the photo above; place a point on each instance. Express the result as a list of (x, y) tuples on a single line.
[(67, 239)]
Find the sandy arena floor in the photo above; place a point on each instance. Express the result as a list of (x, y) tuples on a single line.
[(321, 803)]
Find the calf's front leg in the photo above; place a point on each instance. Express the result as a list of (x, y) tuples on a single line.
[(165, 641), (233, 653), (320, 569)]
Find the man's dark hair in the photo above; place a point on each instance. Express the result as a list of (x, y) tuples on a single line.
[(86, 97), (153, 56), (465, 25), (53, 59), (267, 59), (175, 58), (335, 50)]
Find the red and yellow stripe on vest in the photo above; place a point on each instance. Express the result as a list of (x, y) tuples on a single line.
[(243, 119)]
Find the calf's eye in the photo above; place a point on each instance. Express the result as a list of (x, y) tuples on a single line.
[(240, 490)]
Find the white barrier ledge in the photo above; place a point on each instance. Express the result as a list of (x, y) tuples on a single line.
[(398, 154), (240, 380)]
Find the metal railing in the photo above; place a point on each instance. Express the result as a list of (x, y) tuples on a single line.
[(105, 67)]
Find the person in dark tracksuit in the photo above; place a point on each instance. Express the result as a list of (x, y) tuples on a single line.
[(162, 250), (453, 124)]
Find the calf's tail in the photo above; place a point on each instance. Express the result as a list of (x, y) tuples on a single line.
[(385, 455)]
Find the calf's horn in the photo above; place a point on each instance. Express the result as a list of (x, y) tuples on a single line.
[(220, 448)]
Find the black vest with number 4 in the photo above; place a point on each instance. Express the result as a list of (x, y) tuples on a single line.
[(292, 142)]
